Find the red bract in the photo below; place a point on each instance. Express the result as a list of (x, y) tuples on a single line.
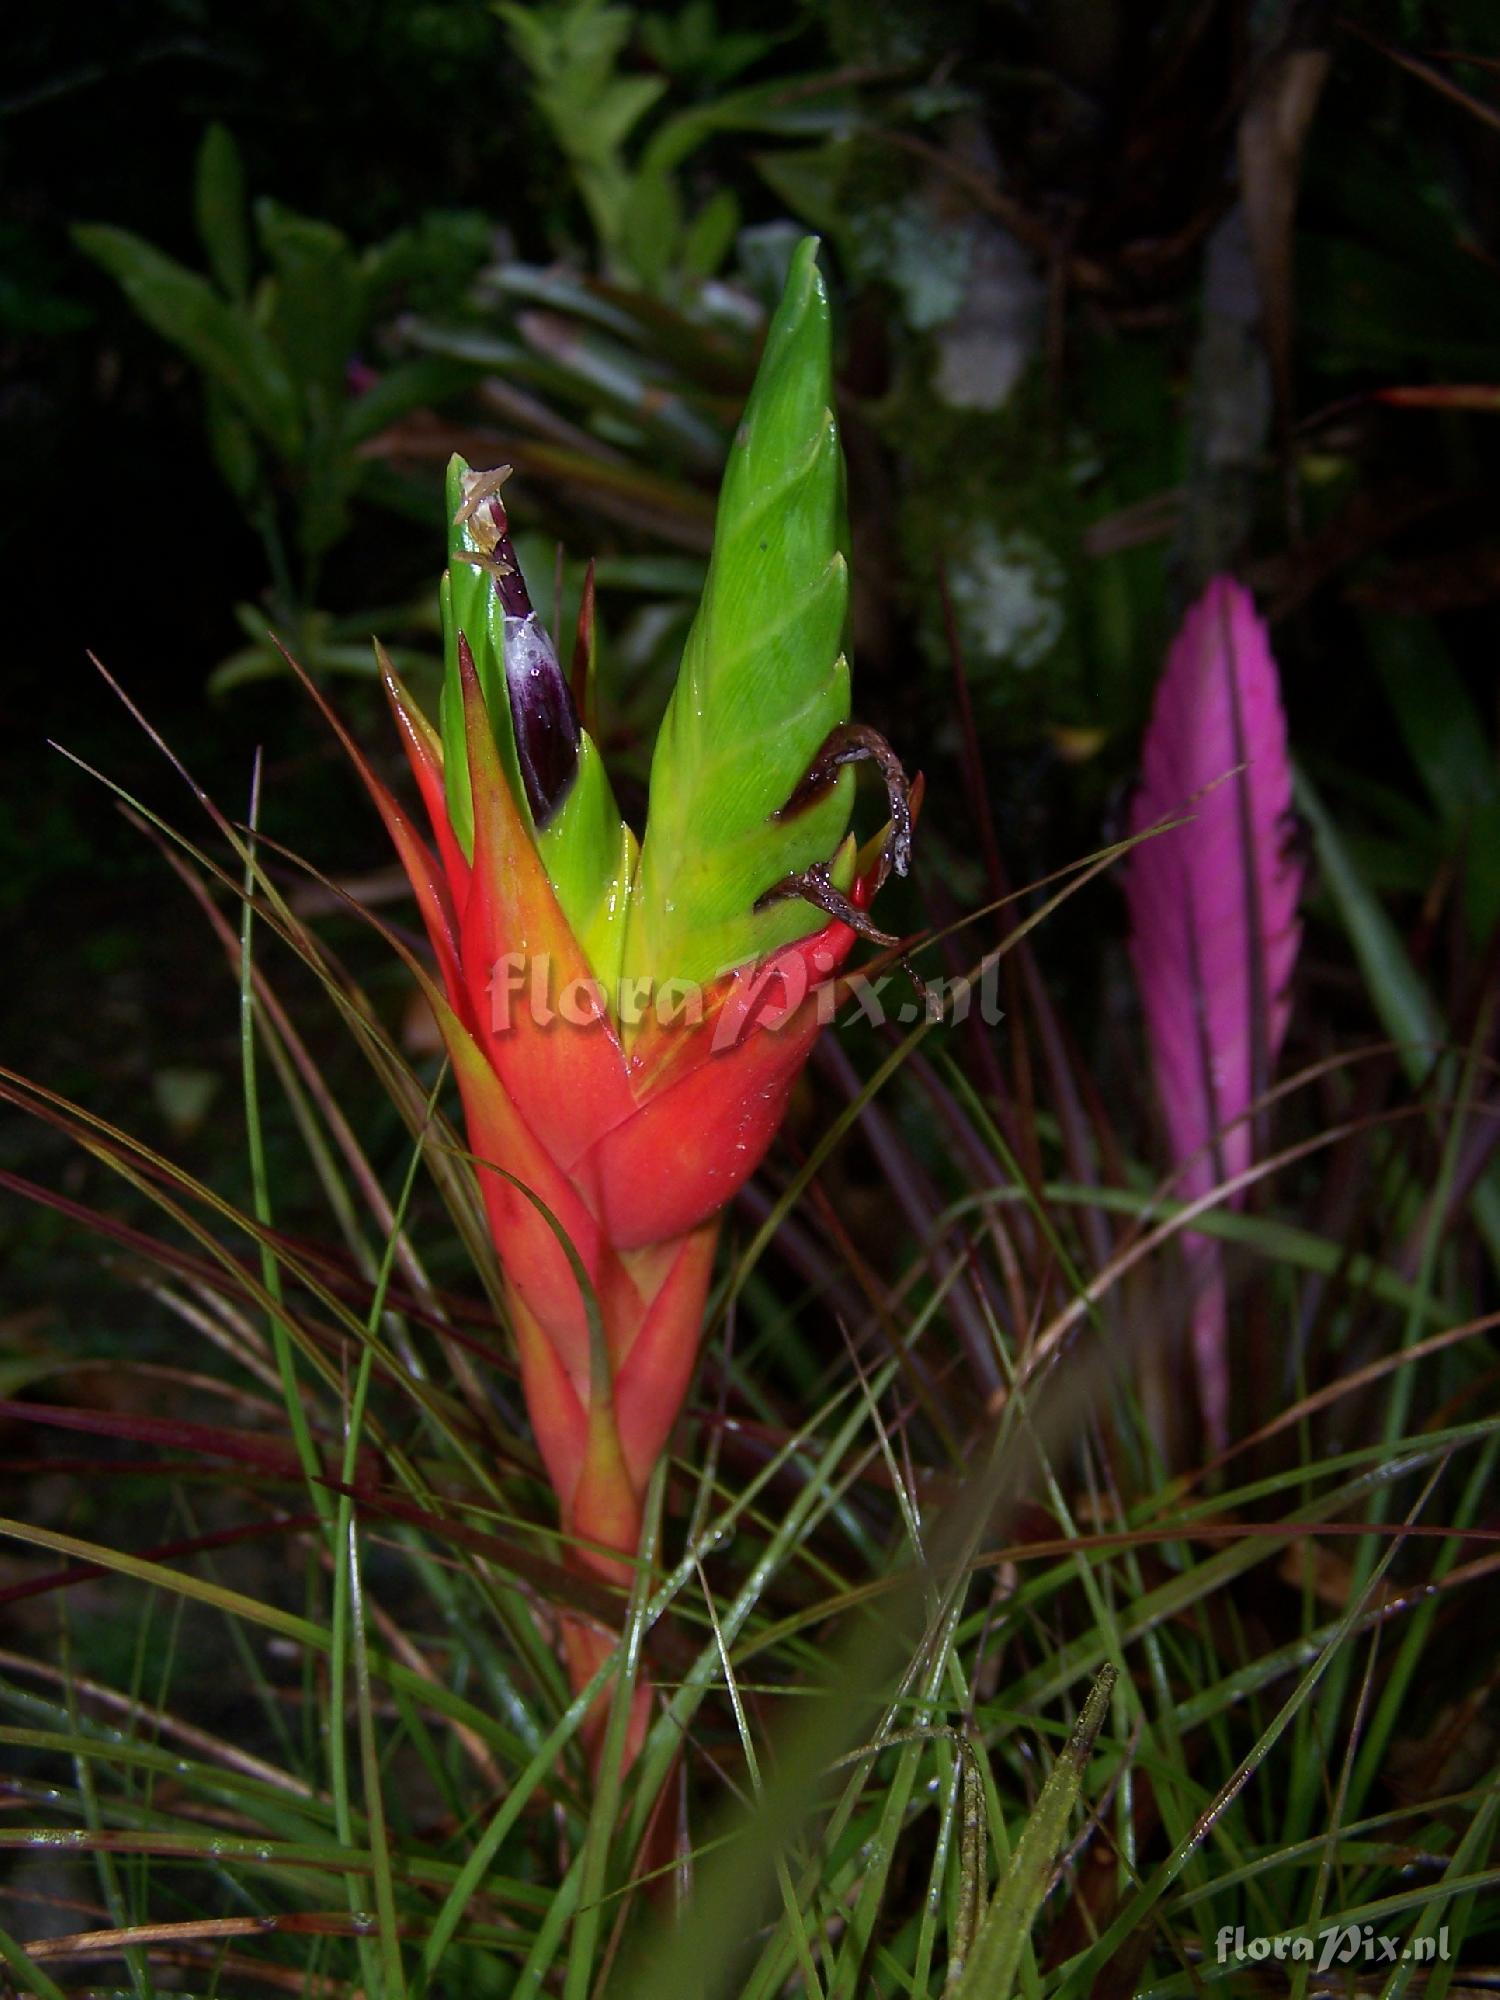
[(626, 1141)]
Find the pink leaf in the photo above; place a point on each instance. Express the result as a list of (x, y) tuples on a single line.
[(1213, 907)]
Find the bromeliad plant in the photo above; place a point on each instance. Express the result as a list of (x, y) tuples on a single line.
[(626, 1021)]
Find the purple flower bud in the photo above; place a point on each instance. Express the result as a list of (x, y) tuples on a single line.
[(541, 706), (541, 702)]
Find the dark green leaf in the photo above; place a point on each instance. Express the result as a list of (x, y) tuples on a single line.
[(651, 227), (797, 107), (219, 338), (232, 442), (710, 235), (223, 222), (400, 390), (320, 303), (1444, 735)]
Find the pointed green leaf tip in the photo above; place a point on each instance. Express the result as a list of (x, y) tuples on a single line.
[(763, 678), (763, 682), (990, 1970)]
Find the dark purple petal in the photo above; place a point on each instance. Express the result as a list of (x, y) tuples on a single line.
[(541, 702), (541, 705)]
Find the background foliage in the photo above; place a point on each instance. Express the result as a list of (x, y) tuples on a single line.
[(1125, 296)]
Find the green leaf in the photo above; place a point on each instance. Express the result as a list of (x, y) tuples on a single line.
[(1445, 737), (29, 1976), (1447, 741), (710, 235), (572, 53), (1368, 309), (615, 115), (794, 107), (697, 45), (406, 387), (223, 224), (763, 677), (1482, 869), (232, 441), (590, 856), (990, 1972), (320, 303), (809, 180), (1407, 1010), (429, 265), (217, 337), (651, 227), (323, 501)]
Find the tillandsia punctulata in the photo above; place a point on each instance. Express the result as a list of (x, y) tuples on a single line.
[(626, 1022)]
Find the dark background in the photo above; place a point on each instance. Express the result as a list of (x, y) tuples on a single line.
[(1107, 139)]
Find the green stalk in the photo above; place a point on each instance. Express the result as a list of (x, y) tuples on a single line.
[(348, 1621), (29, 1975), (1088, 1967), (281, 1337), (990, 1971), (604, 1812)]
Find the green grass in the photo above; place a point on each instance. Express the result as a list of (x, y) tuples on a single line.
[(874, 1596)]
